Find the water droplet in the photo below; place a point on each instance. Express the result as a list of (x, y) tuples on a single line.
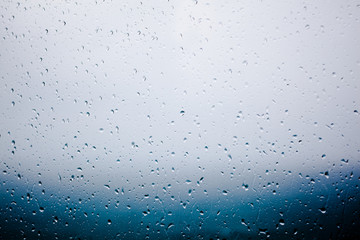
[(170, 226), (282, 222), (322, 210)]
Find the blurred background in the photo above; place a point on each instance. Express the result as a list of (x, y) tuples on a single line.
[(179, 119)]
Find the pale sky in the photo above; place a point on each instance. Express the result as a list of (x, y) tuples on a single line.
[(164, 92)]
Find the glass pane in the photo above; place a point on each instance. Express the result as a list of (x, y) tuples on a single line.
[(179, 120)]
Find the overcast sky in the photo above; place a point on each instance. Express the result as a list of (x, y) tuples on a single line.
[(164, 91)]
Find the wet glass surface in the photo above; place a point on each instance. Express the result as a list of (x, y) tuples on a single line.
[(179, 120)]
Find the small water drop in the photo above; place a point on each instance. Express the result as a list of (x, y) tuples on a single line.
[(170, 226), (282, 222), (322, 210)]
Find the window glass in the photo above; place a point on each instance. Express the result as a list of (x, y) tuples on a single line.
[(179, 119)]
